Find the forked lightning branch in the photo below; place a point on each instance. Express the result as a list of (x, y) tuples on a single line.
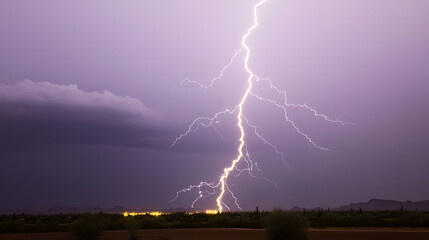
[(220, 187)]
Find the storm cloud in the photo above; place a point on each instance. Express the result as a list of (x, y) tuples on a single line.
[(35, 113)]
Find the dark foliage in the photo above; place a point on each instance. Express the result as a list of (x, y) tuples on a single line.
[(281, 225), (133, 225), (25, 223), (88, 227)]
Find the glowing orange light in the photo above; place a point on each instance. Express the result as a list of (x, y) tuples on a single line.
[(211, 212), (155, 214)]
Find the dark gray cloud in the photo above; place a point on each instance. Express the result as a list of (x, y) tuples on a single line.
[(38, 113)]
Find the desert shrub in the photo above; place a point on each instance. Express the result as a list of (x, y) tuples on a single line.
[(281, 225), (11, 227), (347, 221), (248, 220), (326, 220), (220, 221), (151, 222), (88, 227), (416, 219), (113, 224), (133, 225), (368, 220)]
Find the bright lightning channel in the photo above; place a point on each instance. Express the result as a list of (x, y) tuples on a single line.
[(206, 189)]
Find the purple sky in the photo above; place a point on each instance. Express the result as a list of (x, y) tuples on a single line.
[(90, 101)]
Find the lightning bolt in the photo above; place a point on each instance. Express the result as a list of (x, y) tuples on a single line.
[(206, 189)]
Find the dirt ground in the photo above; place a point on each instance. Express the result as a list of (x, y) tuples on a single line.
[(234, 234)]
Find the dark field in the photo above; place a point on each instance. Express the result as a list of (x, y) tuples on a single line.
[(27, 223), (323, 225), (234, 234)]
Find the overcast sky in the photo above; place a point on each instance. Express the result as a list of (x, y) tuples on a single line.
[(91, 100)]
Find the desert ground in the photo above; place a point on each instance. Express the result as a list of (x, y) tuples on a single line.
[(234, 234)]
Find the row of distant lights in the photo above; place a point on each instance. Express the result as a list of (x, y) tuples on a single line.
[(212, 212), (126, 214), (156, 214)]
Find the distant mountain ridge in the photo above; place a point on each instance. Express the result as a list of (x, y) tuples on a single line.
[(388, 205)]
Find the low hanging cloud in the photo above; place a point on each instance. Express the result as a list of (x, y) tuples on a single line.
[(40, 113), (51, 94)]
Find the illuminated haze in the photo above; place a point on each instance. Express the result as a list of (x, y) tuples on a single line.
[(93, 123)]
